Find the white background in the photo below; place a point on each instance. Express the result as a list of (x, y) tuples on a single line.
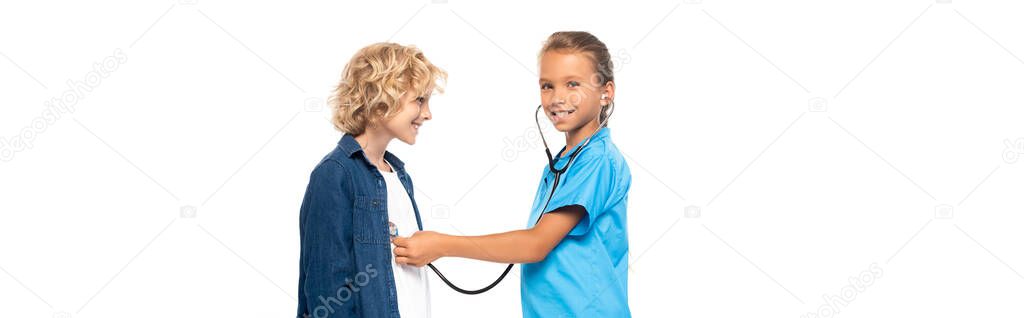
[(816, 139)]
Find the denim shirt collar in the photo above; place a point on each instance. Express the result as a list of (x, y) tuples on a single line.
[(350, 147)]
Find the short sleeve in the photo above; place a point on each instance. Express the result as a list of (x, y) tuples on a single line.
[(587, 183)]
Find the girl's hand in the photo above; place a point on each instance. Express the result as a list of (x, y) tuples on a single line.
[(420, 249)]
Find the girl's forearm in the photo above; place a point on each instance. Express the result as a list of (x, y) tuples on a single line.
[(520, 246)]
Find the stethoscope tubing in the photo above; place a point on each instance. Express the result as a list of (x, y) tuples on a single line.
[(554, 185)]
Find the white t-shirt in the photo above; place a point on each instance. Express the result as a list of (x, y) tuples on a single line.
[(410, 282)]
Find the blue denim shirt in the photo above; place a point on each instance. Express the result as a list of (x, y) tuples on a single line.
[(345, 263)]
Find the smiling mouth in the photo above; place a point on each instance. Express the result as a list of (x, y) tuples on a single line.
[(561, 114)]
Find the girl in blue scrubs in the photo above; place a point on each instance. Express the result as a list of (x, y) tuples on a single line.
[(575, 248)]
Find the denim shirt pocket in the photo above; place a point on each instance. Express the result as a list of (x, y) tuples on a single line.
[(370, 220)]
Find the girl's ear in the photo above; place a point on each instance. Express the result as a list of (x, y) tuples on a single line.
[(607, 93)]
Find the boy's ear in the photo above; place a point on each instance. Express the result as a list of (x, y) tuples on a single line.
[(376, 116)]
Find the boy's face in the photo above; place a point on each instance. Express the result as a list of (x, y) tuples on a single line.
[(569, 90), (406, 123)]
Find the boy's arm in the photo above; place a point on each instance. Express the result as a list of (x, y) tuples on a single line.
[(521, 246), (329, 262)]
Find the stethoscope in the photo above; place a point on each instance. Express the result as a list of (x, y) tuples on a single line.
[(558, 172)]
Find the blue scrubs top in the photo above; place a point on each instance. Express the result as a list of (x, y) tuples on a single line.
[(585, 275)]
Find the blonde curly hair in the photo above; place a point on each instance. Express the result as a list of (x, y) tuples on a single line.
[(374, 80)]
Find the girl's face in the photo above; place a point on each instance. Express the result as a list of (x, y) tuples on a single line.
[(405, 125), (570, 91)]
